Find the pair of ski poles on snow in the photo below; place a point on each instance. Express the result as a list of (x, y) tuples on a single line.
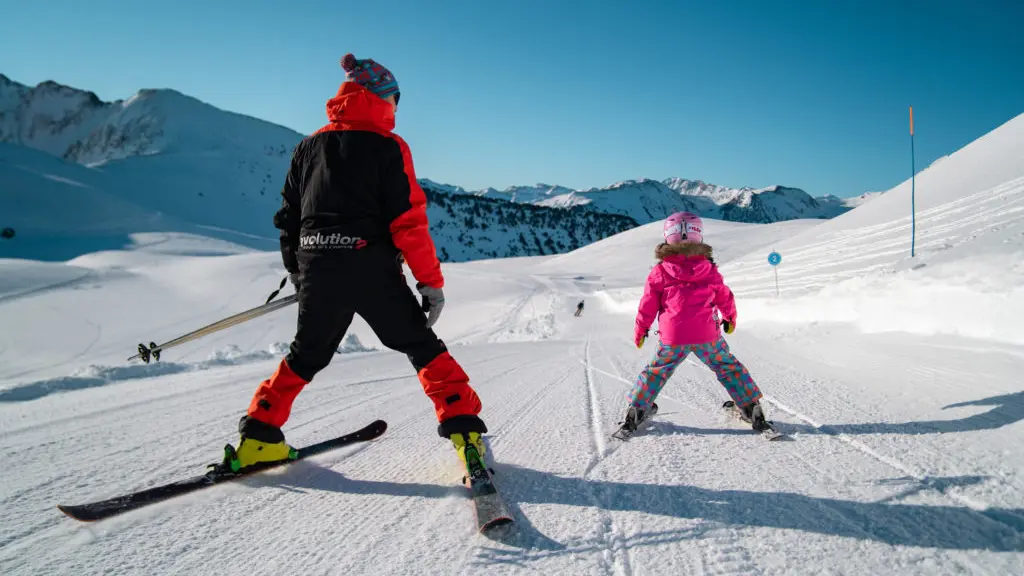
[(153, 350)]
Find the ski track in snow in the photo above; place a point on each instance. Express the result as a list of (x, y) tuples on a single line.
[(616, 554)]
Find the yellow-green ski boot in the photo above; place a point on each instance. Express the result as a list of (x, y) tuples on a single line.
[(261, 444)]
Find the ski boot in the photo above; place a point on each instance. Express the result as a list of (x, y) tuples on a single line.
[(466, 433), (470, 447), (754, 414), (634, 418), (260, 444)]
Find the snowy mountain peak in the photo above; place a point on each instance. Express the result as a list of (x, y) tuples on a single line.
[(646, 200), (77, 125), (50, 116)]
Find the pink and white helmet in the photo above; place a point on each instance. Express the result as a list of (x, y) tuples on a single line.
[(684, 228)]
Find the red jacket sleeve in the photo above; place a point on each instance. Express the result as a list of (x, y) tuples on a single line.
[(650, 302), (724, 300), (406, 208)]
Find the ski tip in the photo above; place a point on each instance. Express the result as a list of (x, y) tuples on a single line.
[(496, 523), (72, 512)]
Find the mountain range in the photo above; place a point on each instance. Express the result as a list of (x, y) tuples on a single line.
[(185, 166)]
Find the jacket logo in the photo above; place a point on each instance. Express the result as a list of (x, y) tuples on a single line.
[(320, 241)]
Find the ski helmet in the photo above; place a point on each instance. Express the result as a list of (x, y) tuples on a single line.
[(684, 228)]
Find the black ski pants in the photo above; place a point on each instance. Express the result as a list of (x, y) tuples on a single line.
[(370, 283)]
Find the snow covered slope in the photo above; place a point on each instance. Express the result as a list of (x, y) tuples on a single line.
[(968, 274), (834, 206), (628, 257), (61, 210)]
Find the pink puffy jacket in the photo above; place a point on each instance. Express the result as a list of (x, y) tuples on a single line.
[(682, 291)]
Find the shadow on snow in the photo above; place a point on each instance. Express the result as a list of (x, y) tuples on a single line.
[(1006, 410), (947, 527)]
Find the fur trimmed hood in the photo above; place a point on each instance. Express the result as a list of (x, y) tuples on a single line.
[(665, 250)]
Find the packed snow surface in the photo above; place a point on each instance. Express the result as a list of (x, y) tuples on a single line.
[(896, 380)]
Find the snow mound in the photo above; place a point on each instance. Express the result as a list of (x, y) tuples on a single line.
[(974, 298), (351, 345), (93, 376)]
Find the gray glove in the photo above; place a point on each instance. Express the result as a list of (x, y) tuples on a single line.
[(433, 302)]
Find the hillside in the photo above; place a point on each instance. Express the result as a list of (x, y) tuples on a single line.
[(966, 278)]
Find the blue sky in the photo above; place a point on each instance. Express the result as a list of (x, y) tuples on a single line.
[(812, 94)]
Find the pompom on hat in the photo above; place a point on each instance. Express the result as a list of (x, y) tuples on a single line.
[(371, 75)]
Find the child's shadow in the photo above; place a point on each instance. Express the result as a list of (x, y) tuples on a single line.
[(1007, 409)]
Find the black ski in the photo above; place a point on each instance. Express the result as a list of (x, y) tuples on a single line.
[(772, 433), (488, 504), (218, 474), (625, 432)]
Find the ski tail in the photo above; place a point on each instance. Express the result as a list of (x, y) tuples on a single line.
[(489, 507), (771, 433)]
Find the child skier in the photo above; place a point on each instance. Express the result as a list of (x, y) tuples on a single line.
[(683, 291), (352, 211)]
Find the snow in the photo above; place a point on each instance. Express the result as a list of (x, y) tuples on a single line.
[(896, 379)]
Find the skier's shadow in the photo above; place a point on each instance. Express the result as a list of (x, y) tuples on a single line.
[(306, 475), (1007, 409), (888, 521), (895, 523)]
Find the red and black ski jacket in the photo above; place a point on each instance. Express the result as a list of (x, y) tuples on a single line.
[(351, 185)]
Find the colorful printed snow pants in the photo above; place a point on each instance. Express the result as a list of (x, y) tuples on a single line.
[(731, 374)]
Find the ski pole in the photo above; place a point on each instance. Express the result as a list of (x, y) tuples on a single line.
[(153, 350)]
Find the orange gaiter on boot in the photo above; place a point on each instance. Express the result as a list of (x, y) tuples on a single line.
[(447, 385), (272, 403)]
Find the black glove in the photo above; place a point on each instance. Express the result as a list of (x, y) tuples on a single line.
[(294, 279), (433, 302)]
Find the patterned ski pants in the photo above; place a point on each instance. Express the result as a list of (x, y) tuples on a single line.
[(730, 372)]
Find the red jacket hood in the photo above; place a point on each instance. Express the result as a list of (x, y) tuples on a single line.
[(356, 108)]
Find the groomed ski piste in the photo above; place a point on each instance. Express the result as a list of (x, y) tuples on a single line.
[(897, 381)]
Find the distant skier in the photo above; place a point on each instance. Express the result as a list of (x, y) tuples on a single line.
[(683, 291), (351, 211), (579, 309)]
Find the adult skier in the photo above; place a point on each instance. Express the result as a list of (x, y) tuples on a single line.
[(579, 309), (352, 211), (683, 291)]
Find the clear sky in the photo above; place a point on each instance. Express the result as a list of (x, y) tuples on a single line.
[(811, 94)]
